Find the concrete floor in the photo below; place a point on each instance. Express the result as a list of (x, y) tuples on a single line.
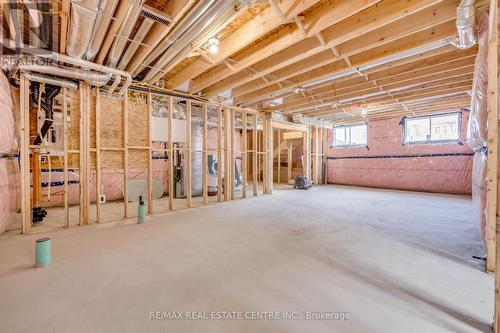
[(394, 261)]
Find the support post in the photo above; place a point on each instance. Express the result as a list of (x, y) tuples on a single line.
[(204, 171), (84, 152), (65, 157), (188, 153), (244, 155), (492, 162), (150, 155), (232, 153), (219, 154), (25, 155), (269, 154), (98, 154), (125, 155), (265, 148), (254, 156), (170, 154), (279, 157), (290, 161), (227, 160)]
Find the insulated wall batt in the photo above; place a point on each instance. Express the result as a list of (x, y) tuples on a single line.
[(387, 163)]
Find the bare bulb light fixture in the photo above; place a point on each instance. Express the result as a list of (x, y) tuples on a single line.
[(213, 45)]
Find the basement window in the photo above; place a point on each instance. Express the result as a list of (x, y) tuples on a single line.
[(350, 135), (441, 128)]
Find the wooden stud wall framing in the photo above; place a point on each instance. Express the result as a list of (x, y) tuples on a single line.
[(125, 156), (227, 148), (84, 152), (232, 155)]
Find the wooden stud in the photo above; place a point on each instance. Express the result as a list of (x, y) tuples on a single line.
[(170, 154), (244, 154), (84, 152), (219, 154), (255, 156), (125, 155), (98, 153), (205, 155), (270, 160), (279, 157), (25, 155), (265, 157), (65, 157), (232, 155), (290, 160), (227, 160), (150, 154), (188, 154)]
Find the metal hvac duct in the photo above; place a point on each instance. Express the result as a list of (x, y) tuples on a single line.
[(190, 34), (124, 32), (95, 79), (51, 80), (102, 22), (466, 21), (81, 26), (177, 31)]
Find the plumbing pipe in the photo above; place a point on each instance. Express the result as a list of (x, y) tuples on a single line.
[(177, 31), (102, 23), (51, 80), (466, 22), (124, 32), (81, 26)]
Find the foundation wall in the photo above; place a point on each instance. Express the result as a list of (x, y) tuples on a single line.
[(387, 163)]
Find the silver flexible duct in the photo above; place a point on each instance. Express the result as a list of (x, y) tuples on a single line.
[(466, 22), (193, 15), (124, 32), (81, 26), (95, 79), (51, 80), (102, 22)]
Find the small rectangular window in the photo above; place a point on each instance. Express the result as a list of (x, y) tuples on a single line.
[(350, 135), (441, 128)]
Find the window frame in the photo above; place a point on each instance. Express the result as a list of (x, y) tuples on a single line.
[(431, 142), (333, 145)]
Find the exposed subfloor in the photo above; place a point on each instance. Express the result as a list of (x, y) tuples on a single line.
[(395, 261)]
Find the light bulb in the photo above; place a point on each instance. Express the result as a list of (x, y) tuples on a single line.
[(213, 49)]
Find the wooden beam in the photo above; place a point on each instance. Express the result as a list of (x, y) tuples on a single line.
[(292, 49), (65, 7), (170, 154), (321, 18), (84, 152), (424, 37), (422, 21), (232, 153), (289, 160), (279, 157), (118, 17)]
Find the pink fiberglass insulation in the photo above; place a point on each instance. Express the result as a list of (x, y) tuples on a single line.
[(477, 133), (388, 163), (9, 171)]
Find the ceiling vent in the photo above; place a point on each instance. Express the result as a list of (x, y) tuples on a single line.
[(156, 15)]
